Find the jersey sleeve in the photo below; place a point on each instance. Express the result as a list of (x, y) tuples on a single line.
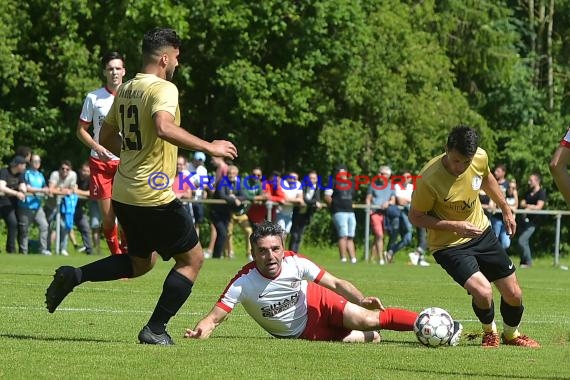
[(87, 110), (423, 197), (230, 297), (165, 98), (309, 270)]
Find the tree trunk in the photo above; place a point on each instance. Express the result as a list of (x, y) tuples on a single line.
[(549, 56)]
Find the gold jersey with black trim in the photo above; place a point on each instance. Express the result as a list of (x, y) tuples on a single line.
[(148, 163), (446, 197)]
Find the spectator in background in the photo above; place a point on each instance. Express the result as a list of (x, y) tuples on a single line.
[(199, 180), (293, 197), (559, 167), (386, 216), (403, 189), (30, 209), (339, 198), (534, 199), (24, 151), (257, 192), (12, 190), (182, 189), (62, 182), (229, 190), (302, 214), (500, 174), (275, 192), (512, 198), (103, 163), (221, 172), (80, 217), (486, 203)]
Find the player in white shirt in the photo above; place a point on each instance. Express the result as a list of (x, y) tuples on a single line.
[(292, 297), (102, 163), (559, 167)]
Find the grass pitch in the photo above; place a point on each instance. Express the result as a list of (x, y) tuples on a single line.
[(93, 333)]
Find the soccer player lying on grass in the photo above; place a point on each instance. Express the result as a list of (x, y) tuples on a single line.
[(292, 297)]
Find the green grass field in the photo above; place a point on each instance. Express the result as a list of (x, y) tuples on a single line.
[(93, 333)]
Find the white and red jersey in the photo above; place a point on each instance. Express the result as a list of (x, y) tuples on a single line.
[(279, 304), (95, 107), (566, 140)]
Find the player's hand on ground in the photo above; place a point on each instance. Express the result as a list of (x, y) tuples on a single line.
[(467, 230), (371, 303), (195, 334), (223, 148)]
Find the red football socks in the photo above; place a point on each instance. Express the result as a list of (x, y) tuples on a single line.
[(397, 319)]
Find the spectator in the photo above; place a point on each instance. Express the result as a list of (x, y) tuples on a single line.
[(339, 198), (302, 214), (256, 191), (183, 190), (80, 217), (293, 197), (512, 198), (500, 174), (199, 180), (275, 192), (103, 164), (30, 209), (24, 151), (12, 190), (229, 190), (534, 199), (403, 190), (62, 182), (386, 217), (221, 172)]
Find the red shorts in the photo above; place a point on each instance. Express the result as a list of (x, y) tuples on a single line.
[(325, 311), (102, 174), (377, 223)]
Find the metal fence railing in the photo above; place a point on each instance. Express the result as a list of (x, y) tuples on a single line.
[(558, 214)]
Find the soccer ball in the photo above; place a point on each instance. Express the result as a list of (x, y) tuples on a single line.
[(433, 327)]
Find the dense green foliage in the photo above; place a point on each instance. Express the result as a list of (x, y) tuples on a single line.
[(93, 333), (306, 84)]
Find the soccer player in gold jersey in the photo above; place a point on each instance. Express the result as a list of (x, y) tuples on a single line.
[(446, 203), (143, 128)]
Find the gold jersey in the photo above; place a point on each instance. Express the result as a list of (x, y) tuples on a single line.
[(446, 197), (148, 163)]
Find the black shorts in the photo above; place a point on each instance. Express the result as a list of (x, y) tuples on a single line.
[(166, 229), (484, 254)]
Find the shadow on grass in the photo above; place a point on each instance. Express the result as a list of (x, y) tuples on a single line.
[(57, 339)]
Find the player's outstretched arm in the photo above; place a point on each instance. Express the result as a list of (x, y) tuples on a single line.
[(350, 292), (491, 187), (167, 130), (207, 325), (559, 169)]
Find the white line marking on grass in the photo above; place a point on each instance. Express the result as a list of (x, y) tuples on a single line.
[(94, 310)]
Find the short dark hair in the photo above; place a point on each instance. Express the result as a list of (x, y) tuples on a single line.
[(156, 39), (67, 163), (464, 140), (264, 229), (109, 56)]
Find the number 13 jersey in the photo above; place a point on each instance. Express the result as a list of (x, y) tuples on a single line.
[(148, 163)]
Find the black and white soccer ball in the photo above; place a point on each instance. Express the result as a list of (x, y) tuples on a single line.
[(434, 327)]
